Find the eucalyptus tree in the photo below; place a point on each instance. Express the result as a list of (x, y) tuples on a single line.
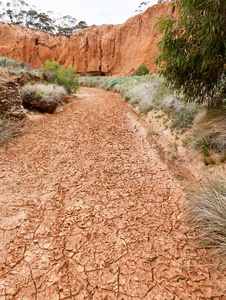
[(192, 50)]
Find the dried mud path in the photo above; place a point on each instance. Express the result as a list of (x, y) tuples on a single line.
[(89, 211)]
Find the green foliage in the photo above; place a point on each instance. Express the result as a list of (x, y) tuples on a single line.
[(205, 161), (205, 151), (192, 50), (142, 70), (56, 73), (160, 116)]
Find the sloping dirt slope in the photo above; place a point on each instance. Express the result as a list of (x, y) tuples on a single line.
[(89, 211)]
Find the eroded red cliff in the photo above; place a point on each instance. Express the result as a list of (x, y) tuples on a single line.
[(106, 49)]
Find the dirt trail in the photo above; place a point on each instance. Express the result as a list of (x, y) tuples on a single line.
[(89, 211)]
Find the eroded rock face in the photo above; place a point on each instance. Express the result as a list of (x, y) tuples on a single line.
[(31, 46), (106, 49)]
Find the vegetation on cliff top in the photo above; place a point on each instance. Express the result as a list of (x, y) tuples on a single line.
[(18, 12)]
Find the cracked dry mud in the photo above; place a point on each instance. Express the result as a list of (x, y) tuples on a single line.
[(89, 211)]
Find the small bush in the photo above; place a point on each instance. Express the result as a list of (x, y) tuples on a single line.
[(115, 81), (184, 118), (3, 61), (207, 215), (12, 64), (142, 70), (41, 97), (55, 73)]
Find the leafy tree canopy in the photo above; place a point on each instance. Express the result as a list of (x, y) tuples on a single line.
[(18, 12), (192, 50)]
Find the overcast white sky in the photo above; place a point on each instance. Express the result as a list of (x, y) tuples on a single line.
[(96, 12)]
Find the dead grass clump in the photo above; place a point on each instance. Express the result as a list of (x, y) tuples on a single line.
[(42, 97), (207, 215), (211, 131)]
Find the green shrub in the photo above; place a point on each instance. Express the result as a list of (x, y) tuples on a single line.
[(56, 73), (142, 70)]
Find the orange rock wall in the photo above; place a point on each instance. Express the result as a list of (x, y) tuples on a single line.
[(108, 49), (31, 46)]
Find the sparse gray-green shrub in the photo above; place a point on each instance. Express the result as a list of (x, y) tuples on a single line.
[(116, 81), (42, 97), (3, 61), (184, 118), (12, 64), (55, 73), (207, 215), (142, 70)]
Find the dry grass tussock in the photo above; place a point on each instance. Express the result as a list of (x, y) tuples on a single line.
[(42, 97), (211, 129), (207, 215)]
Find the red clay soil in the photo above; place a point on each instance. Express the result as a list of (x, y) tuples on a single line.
[(89, 211)]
